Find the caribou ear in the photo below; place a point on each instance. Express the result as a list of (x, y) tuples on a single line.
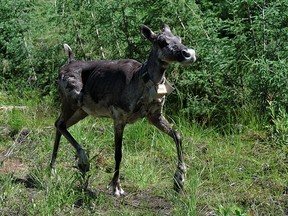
[(166, 28), (147, 33)]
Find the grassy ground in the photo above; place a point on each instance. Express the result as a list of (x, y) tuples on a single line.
[(241, 174)]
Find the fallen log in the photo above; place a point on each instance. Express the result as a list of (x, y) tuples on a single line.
[(8, 108)]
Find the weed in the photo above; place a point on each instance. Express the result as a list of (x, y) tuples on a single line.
[(231, 211), (279, 127), (237, 173)]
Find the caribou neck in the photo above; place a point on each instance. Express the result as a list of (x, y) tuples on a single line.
[(154, 67)]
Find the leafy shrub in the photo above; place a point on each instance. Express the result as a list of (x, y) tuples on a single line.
[(279, 126), (241, 48), (229, 211)]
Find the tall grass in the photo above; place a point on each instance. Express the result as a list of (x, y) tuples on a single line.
[(237, 171)]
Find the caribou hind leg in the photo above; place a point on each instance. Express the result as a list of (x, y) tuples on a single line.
[(55, 148), (67, 119), (118, 137), (161, 123)]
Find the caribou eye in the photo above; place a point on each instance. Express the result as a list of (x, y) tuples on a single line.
[(162, 42)]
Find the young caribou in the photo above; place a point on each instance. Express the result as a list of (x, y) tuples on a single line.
[(124, 90)]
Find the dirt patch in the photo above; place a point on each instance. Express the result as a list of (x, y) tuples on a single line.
[(12, 166), (8, 163), (141, 201), (147, 200), (5, 132)]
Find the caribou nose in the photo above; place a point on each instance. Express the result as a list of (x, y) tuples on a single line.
[(189, 54)]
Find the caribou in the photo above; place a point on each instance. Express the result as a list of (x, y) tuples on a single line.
[(124, 90)]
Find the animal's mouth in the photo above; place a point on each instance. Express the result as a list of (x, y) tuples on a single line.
[(185, 56), (180, 58), (188, 55)]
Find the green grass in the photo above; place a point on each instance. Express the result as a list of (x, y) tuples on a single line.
[(232, 174)]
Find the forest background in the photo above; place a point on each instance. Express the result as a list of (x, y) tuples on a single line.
[(239, 82), (241, 48)]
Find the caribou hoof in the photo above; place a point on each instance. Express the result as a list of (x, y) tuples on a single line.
[(179, 178), (118, 192), (52, 171), (83, 162)]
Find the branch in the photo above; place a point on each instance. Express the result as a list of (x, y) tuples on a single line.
[(253, 32), (8, 108), (21, 138), (264, 28)]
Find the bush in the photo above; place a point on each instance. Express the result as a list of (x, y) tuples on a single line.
[(241, 48), (279, 127)]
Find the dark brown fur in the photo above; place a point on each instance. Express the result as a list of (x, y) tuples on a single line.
[(123, 90)]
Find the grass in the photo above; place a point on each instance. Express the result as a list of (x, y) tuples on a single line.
[(232, 174)]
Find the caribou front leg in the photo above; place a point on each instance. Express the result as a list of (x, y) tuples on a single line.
[(179, 176), (160, 122), (118, 137)]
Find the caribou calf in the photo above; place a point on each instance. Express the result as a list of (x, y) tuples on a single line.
[(124, 90)]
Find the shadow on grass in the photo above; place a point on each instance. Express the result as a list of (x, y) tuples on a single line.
[(28, 182), (100, 200), (85, 194)]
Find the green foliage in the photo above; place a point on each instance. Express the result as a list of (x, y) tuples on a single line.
[(241, 60), (239, 79), (14, 57), (231, 211), (226, 175), (279, 126), (241, 48)]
